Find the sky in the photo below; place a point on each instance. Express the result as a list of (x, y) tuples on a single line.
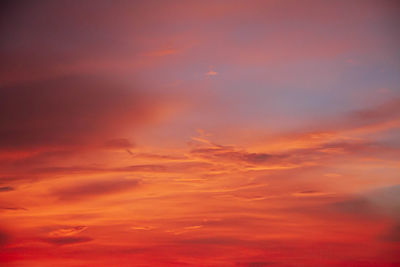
[(199, 133)]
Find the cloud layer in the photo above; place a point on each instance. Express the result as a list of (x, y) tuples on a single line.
[(199, 133)]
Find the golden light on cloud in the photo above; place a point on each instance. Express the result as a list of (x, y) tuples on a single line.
[(165, 133)]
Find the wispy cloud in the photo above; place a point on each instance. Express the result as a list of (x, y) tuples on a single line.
[(94, 188), (68, 231), (179, 133), (6, 189), (60, 241)]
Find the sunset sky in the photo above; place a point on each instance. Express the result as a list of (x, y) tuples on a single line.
[(199, 133)]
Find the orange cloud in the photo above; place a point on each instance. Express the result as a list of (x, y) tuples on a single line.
[(93, 189), (301, 168)]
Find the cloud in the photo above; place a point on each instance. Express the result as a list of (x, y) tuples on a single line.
[(288, 158), (30, 172), (392, 234), (68, 231), (94, 189), (153, 156), (211, 72), (383, 111), (348, 132), (178, 167), (380, 203), (121, 143), (305, 150), (12, 208), (377, 118), (357, 207), (67, 170), (229, 153), (70, 111), (69, 240), (375, 206), (310, 193), (68, 131), (4, 238), (386, 200), (6, 189)]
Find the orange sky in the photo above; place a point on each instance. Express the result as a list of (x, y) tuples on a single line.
[(199, 133)]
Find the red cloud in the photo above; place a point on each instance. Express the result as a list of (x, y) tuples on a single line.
[(95, 188), (70, 111)]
